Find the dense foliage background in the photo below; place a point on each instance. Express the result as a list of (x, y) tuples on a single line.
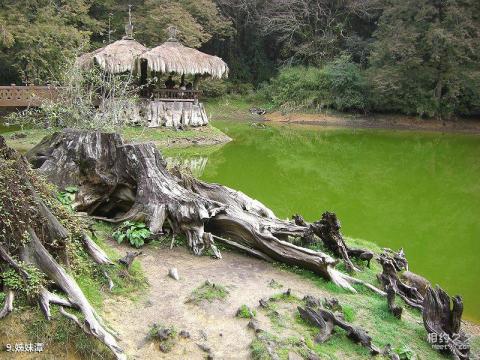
[(408, 56)]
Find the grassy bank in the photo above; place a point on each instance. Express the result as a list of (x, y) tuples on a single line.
[(23, 140), (236, 108)]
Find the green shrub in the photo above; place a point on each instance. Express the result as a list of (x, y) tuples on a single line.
[(339, 85), (135, 232)]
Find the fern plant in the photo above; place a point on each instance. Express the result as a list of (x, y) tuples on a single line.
[(135, 232)]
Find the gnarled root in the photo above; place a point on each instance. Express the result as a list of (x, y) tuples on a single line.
[(46, 263), (394, 309), (328, 229), (326, 321), (27, 215), (95, 252)]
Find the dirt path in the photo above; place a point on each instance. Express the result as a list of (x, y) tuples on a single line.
[(164, 303), (376, 121)]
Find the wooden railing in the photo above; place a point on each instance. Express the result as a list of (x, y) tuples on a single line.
[(24, 96), (176, 94)]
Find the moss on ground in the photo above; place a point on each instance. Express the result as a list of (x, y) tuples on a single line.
[(131, 284)]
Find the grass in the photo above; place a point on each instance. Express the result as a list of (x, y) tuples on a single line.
[(259, 350), (208, 292), (245, 312), (366, 309)]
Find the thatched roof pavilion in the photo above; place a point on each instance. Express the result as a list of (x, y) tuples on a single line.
[(172, 56), (117, 57)]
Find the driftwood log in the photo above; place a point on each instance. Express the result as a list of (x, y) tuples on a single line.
[(32, 235), (442, 322), (119, 182)]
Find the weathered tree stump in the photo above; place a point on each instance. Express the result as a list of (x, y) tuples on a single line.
[(119, 182), (442, 322)]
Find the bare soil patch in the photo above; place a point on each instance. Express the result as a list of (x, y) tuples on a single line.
[(247, 280)]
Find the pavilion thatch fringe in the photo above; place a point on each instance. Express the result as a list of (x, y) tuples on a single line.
[(116, 57), (172, 56)]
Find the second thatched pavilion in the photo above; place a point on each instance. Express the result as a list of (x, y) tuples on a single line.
[(171, 103)]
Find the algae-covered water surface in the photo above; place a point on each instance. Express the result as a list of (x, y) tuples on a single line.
[(419, 191)]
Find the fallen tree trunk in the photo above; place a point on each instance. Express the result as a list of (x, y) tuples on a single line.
[(31, 231), (119, 182)]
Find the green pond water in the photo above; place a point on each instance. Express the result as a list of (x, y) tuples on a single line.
[(419, 191)]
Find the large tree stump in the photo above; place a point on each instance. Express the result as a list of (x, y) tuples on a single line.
[(32, 235), (119, 182), (442, 322)]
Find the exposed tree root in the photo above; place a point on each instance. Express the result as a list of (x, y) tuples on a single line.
[(394, 309), (326, 321), (127, 260), (95, 252), (119, 182), (328, 229)]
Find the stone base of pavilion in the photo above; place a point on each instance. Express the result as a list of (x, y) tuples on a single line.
[(175, 114)]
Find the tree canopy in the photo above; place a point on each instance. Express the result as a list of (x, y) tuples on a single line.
[(415, 57)]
